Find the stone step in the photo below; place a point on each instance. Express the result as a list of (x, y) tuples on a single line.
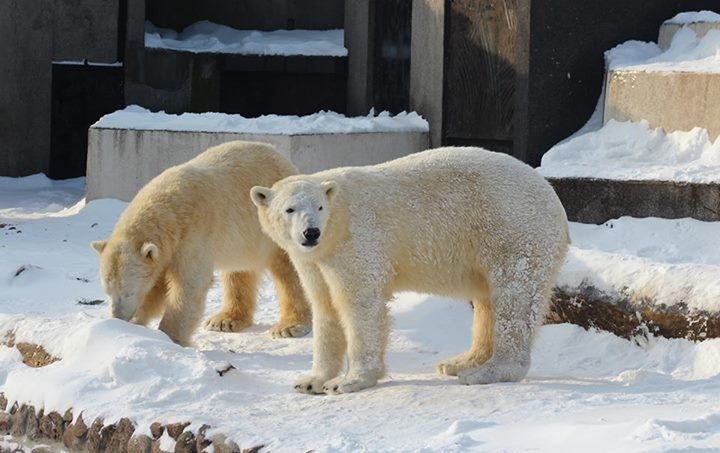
[(675, 101), (700, 22), (590, 200), (125, 154)]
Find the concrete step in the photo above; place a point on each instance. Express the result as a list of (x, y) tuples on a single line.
[(590, 200)]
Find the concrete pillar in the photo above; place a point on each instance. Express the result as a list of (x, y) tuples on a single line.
[(26, 47), (427, 64), (359, 43)]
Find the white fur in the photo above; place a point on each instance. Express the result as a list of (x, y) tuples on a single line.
[(188, 221), (460, 222)]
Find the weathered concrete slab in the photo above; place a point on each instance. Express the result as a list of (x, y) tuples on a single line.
[(671, 100), (589, 200), (121, 161)]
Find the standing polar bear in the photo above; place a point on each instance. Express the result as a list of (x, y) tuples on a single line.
[(460, 222), (188, 221)]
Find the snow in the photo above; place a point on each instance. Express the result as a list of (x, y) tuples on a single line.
[(138, 118), (635, 150), (586, 391), (209, 37), (668, 261), (691, 17)]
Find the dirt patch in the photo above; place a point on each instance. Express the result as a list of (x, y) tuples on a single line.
[(33, 355), (590, 308)]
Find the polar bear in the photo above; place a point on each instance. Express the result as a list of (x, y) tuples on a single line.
[(188, 221), (460, 222)]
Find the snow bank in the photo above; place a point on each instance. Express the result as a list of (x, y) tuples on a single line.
[(209, 37), (138, 118), (635, 151), (660, 261), (690, 17)]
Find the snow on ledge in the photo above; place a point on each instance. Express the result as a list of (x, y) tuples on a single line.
[(692, 17), (688, 52), (138, 118), (209, 37), (635, 151)]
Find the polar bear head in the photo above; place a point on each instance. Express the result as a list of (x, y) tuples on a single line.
[(128, 271), (295, 213)]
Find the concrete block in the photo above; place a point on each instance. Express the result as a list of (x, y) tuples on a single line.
[(590, 200), (121, 161), (25, 78), (671, 100), (668, 30)]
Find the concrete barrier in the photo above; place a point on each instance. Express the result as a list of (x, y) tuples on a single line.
[(121, 161), (675, 101)]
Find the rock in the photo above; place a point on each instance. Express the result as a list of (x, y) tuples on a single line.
[(3, 402), (140, 444), (255, 449), (222, 445), (5, 423), (202, 441), (81, 428), (32, 429), (186, 443), (175, 429), (157, 430), (20, 421), (52, 426), (68, 416), (121, 436), (94, 440)]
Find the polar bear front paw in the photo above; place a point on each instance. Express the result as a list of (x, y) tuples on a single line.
[(347, 384), (310, 384), (223, 322), (289, 331)]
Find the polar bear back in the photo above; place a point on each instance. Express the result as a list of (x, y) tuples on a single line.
[(433, 210), (207, 199)]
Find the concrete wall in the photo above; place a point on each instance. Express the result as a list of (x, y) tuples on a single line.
[(427, 64), (26, 47), (121, 161), (85, 29), (675, 101), (249, 14)]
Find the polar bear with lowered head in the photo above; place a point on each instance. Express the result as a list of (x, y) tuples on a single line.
[(188, 221), (459, 222)]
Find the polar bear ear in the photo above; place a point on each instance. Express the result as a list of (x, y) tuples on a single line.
[(261, 196), (98, 246), (330, 188), (150, 251)]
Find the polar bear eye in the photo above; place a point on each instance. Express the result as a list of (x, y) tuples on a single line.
[(289, 210), (320, 208)]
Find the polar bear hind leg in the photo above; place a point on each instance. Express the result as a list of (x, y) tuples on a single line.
[(482, 340), (519, 303)]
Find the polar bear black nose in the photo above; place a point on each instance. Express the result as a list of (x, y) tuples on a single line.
[(311, 234)]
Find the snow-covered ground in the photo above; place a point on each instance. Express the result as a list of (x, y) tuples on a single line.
[(586, 391), (136, 117), (209, 37), (634, 150)]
